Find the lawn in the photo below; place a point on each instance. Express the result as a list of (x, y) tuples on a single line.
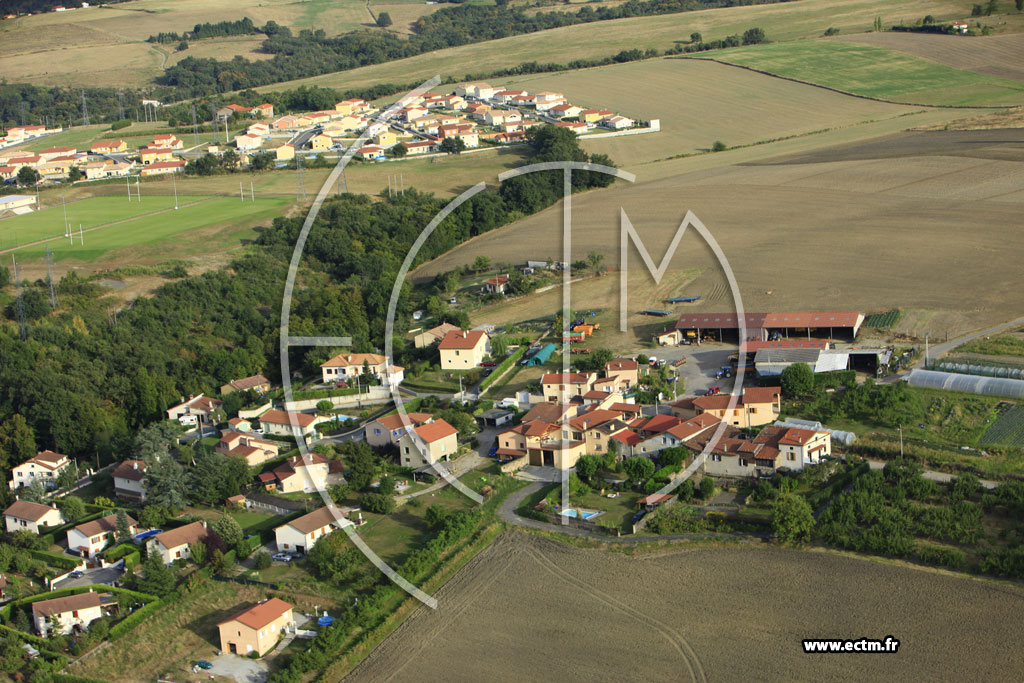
[(875, 72), (185, 629), (158, 228), (87, 213), (618, 512)]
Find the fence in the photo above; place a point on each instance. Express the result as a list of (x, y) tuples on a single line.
[(281, 506), (375, 395)]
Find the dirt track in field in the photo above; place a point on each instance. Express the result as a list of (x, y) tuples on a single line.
[(530, 609), (896, 223), (1001, 55)]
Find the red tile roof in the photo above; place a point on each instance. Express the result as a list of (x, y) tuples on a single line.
[(282, 418), (621, 365), (27, 510), (131, 469), (45, 608), (392, 422), (104, 525), (565, 378), (435, 431), (259, 616), (190, 533), (461, 340)]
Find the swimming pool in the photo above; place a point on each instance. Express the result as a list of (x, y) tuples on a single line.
[(585, 514)]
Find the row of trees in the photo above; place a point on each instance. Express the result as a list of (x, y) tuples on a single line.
[(221, 29), (313, 52)]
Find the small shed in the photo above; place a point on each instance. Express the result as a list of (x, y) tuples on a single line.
[(494, 417)]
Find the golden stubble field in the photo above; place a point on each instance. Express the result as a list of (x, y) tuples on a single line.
[(932, 226), (533, 609)]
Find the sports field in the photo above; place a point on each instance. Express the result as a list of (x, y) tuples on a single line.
[(548, 611), (875, 72), (210, 225)]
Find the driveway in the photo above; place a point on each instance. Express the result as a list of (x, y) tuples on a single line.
[(698, 373), (241, 669), (107, 575)]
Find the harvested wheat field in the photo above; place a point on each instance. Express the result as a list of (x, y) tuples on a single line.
[(700, 102), (533, 609), (1001, 56), (835, 230)]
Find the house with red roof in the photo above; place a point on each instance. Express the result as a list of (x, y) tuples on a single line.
[(45, 466), (499, 284), (559, 387), (757, 406), (464, 349), (797, 447), (390, 429), (430, 442), (256, 629)]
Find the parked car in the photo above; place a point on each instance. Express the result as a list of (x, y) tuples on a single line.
[(487, 364), (453, 300), (282, 557), (76, 574), (488, 371), (713, 390)]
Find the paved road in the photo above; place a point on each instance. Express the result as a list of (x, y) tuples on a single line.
[(941, 349), (940, 477), (107, 575)]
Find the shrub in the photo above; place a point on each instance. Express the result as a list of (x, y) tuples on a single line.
[(118, 125), (718, 146), (262, 560)]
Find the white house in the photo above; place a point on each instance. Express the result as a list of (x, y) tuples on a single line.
[(279, 423), (130, 480), (299, 535), (45, 467), (390, 428), (24, 515), (173, 545), (90, 538), (345, 367), (67, 614)]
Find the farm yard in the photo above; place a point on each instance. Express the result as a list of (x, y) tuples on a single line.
[(876, 72), (572, 618)]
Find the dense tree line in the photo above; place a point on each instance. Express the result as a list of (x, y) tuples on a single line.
[(221, 29), (312, 53)]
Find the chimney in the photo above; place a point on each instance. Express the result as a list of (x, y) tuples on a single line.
[(135, 465)]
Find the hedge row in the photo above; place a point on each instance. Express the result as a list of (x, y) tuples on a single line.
[(60, 561), (503, 366), (248, 544), (121, 628), (5, 611), (118, 551)]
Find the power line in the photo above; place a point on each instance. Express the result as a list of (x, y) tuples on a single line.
[(22, 330), (85, 111), (120, 105), (49, 278)]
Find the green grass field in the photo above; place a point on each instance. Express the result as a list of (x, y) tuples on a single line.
[(875, 72), (163, 227), (89, 213)]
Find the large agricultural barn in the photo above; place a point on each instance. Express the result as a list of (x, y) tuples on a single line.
[(768, 326)]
